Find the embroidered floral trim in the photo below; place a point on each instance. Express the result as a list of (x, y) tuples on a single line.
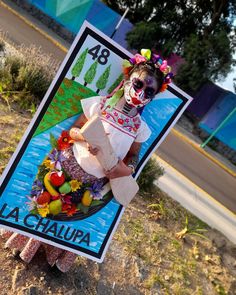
[(130, 124)]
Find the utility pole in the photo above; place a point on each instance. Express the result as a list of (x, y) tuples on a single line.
[(119, 23), (218, 128)]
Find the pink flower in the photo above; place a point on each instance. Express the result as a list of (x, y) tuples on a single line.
[(139, 58)]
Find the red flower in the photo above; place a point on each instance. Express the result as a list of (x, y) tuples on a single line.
[(163, 87), (72, 210), (69, 209), (64, 141), (127, 70), (65, 207), (55, 197), (120, 121)]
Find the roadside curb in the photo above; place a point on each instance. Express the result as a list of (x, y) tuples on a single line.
[(177, 133), (34, 27), (202, 151), (196, 200)]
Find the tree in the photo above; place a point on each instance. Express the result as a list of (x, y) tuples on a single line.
[(116, 83), (175, 26), (102, 81), (205, 59), (90, 74), (77, 68)]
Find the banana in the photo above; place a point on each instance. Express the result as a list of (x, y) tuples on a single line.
[(48, 185)]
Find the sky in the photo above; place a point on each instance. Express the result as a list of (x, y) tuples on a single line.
[(228, 82)]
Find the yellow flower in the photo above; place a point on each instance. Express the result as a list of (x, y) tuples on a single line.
[(43, 210), (75, 185), (146, 53), (48, 164)]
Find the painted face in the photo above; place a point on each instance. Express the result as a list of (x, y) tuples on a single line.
[(140, 89)]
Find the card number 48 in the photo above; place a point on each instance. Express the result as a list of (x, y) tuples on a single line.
[(100, 55)]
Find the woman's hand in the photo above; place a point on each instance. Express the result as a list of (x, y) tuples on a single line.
[(75, 134), (119, 170)]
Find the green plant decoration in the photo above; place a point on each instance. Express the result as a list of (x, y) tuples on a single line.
[(102, 81), (116, 83), (77, 68), (90, 74)]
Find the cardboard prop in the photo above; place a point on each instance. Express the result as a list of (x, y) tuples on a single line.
[(123, 188), (92, 67)]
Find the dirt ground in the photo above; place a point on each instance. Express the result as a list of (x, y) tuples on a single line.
[(159, 248)]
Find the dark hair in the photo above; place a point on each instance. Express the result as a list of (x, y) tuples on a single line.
[(150, 68)]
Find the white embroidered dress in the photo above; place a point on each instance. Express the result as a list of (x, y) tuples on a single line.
[(121, 130)]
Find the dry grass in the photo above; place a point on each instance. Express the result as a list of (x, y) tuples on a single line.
[(12, 126), (188, 264)]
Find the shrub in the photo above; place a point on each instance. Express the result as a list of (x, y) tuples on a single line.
[(6, 78), (151, 172), (3, 37), (2, 46), (33, 79), (25, 76), (14, 63)]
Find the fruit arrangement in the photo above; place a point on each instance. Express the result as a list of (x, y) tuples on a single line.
[(54, 192)]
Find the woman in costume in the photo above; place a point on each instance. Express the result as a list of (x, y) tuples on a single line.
[(144, 76)]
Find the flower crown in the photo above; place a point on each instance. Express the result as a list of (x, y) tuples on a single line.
[(145, 56)]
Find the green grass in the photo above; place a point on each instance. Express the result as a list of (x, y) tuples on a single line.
[(153, 280), (150, 173), (65, 104)]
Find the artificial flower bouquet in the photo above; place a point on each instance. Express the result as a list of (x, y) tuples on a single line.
[(55, 195)]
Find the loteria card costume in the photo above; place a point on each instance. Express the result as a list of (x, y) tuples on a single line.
[(55, 207)]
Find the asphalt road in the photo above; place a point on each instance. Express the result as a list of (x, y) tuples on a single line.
[(199, 169), (181, 155), (21, 33)]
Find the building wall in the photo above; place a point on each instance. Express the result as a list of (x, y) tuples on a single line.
[(217, 114), (72, 13), (205, 99)]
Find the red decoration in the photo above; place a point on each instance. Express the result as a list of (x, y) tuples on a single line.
[(64, 141), (65, 207), (45, 197), (120, 121), (55, 197), (57, 178), (163, 87), (72, 210), (127, 70)]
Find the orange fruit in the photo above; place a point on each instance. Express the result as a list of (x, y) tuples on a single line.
[(87, 198)]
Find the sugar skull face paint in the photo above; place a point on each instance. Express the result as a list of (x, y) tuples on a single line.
[(140, 89)]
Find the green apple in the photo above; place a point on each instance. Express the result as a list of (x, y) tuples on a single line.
[(55, 207), (65, 188)]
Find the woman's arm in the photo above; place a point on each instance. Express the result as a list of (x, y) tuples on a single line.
[(122, 168), (79, 123), (77, 136), (131, 158)]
